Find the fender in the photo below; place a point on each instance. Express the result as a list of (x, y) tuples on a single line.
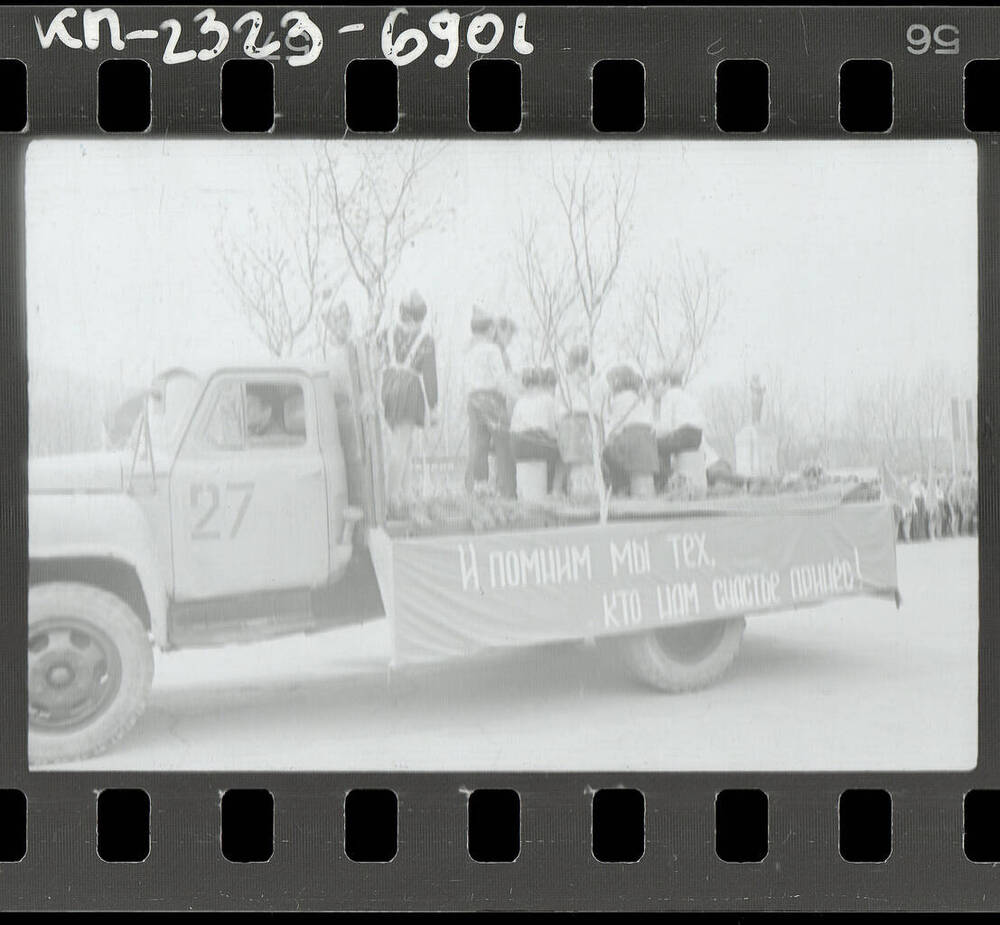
[(100, 526)]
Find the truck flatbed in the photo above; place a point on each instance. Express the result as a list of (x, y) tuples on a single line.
[(456, 515), (711, 506)]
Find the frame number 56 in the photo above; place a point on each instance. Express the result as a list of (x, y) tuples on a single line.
[(943, 39)]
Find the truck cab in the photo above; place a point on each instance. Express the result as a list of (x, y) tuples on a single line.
[(229, 514)]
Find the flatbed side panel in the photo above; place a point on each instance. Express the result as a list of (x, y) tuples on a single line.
[(455, 595)]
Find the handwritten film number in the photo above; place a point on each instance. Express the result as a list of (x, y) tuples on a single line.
[(943, 38), (298, 24), (483, 35), (205, 499), (303, 37)]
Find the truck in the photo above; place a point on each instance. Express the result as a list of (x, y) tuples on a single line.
[(247, 502)]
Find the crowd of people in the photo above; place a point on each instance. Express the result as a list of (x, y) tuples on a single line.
[(938, 506), (649, 433)]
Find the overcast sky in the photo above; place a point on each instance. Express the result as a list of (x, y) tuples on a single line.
[(841, 259)]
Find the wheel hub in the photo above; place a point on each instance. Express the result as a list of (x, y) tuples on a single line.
[(74, 672), (61, 675)]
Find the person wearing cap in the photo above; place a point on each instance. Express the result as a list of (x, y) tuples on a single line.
[(409, 387), (630, 445), (489, 392), (338, 348), (679, 427)]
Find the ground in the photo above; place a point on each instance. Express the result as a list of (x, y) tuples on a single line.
[(852, 685)]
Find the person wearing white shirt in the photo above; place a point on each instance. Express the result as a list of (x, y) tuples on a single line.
[(630, 444), (679, 428), (488, 388), (533, 422), (585, 391), (535, 409)]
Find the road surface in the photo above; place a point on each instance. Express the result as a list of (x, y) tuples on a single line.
[(853, 685)]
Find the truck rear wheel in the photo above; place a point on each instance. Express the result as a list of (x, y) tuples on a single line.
[(90, 667), (684, 658)]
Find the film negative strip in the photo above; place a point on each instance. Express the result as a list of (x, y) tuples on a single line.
[(499, 458)]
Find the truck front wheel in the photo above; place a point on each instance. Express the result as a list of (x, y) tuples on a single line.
[(684, 658), (90, 667)]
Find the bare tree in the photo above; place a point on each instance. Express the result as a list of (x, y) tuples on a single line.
[(878, 420), (673, 315), (701, 298), (859, 429), (647, 335), (781, 417), (375, 214), (549, 291), (892, 413), (279, 266), (726, 409), (931, 393), (597, 213)]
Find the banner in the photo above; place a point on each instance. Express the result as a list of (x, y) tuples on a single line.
[(454, 595)]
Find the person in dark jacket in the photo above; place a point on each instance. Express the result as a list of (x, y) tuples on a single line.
[(409, 387), (630, 442)]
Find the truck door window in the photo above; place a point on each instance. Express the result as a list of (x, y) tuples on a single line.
[(256, 415), (275, 413)]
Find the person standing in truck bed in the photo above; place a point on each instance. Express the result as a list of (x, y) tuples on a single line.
[(488, 390), (409, 388)]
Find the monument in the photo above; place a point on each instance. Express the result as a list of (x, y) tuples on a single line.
[(756, 447)]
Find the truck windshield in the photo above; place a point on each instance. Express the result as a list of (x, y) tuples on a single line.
[(169, 406), (166, 405)]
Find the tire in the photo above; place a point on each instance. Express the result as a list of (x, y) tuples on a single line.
[(90, 667), (684, 658)]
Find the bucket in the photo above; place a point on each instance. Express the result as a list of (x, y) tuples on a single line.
[(532, 479), (642, 485)]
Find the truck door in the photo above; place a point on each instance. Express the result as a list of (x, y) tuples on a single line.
[(247, 491)]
